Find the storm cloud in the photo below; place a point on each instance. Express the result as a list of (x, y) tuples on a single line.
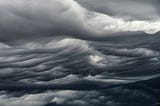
[(79, 52), (22, 19)]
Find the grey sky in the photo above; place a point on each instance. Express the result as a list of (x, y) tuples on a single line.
[(129, 9), (28, 19)]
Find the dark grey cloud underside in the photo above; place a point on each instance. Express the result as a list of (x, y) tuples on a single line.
[(59, 53)]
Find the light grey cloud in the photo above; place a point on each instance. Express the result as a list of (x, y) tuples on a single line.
[(27, 20), (128, 9)]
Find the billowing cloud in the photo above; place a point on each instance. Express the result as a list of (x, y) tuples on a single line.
[(21, 19), (76, 52), (128, 9), (79, 98)]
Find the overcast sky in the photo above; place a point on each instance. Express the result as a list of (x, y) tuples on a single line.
[(28, 19), (129, 9), (79, 52)]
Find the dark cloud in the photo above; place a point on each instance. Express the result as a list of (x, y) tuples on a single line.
[(27, 20), (109, 97), (128, 9), (69, 61), (79, 53)]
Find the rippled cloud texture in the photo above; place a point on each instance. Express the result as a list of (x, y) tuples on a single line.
[(22, 18), (79, 52)]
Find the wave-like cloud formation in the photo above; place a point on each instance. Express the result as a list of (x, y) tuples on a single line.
[(104, 22), (43, 61), (79, 98), (22, 19), (67, 61)]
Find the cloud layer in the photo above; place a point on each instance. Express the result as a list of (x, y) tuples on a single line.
[(79, 52), (23, 19)]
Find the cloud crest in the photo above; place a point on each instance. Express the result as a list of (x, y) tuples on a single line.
[(49, 18)]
